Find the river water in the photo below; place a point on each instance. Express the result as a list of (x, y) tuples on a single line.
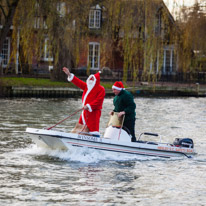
[(33, 176)]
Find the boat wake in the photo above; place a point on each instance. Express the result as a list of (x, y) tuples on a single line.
[(82, 154)]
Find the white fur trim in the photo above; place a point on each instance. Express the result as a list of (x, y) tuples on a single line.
[(70, 78), (90, 109), (89, 88), (83, 120), (117, 88)]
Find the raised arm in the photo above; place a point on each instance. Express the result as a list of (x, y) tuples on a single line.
[(66, 71), (79, 83)]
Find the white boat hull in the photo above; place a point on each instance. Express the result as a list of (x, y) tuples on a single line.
[(61, 140)]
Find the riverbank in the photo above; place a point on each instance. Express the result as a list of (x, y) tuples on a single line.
[(41, 88), (65, 92)]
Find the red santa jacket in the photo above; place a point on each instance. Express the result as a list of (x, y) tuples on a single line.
[(93, 96)]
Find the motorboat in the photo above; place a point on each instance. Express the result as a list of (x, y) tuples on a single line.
[(115, 139)]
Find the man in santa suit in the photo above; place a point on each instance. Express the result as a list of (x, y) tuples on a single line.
[(92, 99)]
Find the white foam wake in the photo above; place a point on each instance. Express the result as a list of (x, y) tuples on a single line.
[(80, 154)]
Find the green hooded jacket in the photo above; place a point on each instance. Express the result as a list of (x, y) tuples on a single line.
[(124, 101)]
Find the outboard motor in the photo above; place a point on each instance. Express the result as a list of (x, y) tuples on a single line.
[(184, 142)]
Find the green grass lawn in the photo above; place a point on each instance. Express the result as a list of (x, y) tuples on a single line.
[(21, 81)]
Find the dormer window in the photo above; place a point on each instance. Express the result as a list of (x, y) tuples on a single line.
[(95, 17)]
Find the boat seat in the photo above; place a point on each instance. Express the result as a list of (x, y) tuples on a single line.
[(80, 128)]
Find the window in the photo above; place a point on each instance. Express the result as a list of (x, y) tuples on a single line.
[(39, 20), (169, 64), (47, 55), (5, 53), (61, 9), (94, 55), (94, 19), (158, 26), (39, 23)]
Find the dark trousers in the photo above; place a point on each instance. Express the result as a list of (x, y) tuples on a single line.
[(130, 125)]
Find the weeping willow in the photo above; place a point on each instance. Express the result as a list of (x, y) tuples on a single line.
[(62, 23), (127, 32), (131, 28), (192, 46)]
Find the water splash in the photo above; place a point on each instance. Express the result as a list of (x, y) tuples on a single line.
[(83, 155)]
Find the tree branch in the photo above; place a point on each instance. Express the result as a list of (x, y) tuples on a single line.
[(8, 4), (2, 9), (8, 23)]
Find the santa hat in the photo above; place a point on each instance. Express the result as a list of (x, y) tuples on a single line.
[(118, 86), (97, 75), (96, 80)]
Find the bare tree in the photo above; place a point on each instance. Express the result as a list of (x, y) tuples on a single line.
[(192, 22), (7, 11)]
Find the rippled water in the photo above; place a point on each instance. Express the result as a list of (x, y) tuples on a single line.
[(33, 176)]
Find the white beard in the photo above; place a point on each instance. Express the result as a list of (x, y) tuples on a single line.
[(90, 86), (91, 83)]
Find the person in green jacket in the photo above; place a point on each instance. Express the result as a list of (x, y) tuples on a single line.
[(124, 104)]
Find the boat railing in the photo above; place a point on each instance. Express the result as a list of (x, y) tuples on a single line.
[(149, 134), (153, 134)]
